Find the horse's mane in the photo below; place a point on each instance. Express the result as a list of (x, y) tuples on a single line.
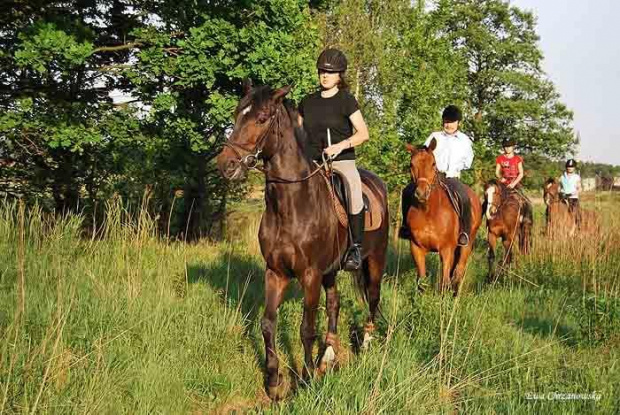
[(300, 134)]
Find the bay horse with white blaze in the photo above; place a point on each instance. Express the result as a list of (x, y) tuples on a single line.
[(433, 221), (510, 218), (300, 235)]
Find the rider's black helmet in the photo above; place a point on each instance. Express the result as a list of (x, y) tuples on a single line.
[(332, 60), (452, 113), (508, 142), (571, 163)]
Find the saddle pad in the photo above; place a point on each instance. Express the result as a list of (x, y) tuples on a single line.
[(373, 213)]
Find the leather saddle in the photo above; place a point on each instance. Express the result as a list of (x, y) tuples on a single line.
[(452, 195), (372, 206)]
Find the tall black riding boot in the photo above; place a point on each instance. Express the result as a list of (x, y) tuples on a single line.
[(353, 261)]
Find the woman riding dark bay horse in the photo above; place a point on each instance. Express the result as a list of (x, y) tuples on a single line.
[(433, 222), (509, 217), (300, 235)]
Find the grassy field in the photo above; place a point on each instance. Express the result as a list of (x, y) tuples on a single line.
[(128, 323)]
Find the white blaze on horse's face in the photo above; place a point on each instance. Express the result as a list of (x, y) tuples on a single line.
[(490, 193), (246, 110)]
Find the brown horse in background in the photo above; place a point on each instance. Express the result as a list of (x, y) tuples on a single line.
[(509, 217), (560, 222), (300, 235), (433, 222)]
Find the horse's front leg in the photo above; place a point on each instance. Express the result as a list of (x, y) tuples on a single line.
[(492, 239), (419, 257), (311, 283), (332, 306), (447, 261), (508, 247), (275, 285)]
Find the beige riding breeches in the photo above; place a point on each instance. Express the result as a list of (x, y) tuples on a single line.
[(353, 181)]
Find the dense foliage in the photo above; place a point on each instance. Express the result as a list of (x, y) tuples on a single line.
[(133, 98)]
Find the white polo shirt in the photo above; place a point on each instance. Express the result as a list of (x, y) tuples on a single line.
[(454, 152)]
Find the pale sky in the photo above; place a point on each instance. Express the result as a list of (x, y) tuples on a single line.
[(580, 40)]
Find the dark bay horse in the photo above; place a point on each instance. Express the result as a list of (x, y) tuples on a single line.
[(509, 217), (300, 235), (433, 222)]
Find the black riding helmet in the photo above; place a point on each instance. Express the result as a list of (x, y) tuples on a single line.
[(452, 113), (508, 142), (332, 60), (571, 163)]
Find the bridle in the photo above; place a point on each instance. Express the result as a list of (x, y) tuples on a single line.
[(551, 199), (431, 183), (504, 194), (250, 160)]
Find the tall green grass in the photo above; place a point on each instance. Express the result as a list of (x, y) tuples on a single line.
[(126, 322)]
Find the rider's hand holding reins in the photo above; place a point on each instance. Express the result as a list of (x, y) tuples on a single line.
[(335, 149)]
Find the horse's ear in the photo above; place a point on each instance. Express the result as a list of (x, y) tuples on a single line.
[(411, 148), (247, 86), (279, 94), (433, 144)]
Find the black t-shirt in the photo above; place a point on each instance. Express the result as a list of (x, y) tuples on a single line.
[(322, 113)]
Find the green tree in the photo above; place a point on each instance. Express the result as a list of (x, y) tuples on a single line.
[(190, 64), (53, 98), (508, 95)]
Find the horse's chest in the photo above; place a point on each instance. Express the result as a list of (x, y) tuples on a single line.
[(303, 245)]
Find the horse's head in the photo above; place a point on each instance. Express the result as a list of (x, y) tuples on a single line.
[(493, 198), (551, 193), (251, 137), (423, 169)]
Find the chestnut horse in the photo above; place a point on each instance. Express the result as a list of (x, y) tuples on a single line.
[(558, 218), (300, 235), (433, 222), (560, 221), (509, 217)]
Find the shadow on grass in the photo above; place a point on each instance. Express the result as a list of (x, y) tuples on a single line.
[(240, 281), (549, 329)]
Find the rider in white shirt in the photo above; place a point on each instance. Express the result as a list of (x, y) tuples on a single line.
[(570, 186), (454, 153)]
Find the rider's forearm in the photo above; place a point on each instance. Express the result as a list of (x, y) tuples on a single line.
[(356, 139), (518, 179)]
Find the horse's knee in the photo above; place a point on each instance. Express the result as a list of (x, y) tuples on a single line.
[(307, 331)]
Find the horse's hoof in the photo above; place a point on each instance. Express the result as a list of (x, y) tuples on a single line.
[(277, 392), (367, 341), (328, 361)]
